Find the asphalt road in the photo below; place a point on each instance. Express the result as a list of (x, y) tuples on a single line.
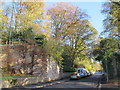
[(87, 82), (92, 83)]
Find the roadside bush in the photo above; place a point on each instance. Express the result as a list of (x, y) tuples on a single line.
[(69, 69)]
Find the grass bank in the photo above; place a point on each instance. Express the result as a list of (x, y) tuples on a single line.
[(14, 77)]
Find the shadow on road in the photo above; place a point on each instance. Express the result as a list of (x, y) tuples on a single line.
[(93, 79)]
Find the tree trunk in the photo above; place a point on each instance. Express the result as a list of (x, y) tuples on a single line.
[(114, 67)]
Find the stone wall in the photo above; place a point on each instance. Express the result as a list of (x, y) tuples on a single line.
[(32, 80), (29, 60), (24, 59), (53, 70)]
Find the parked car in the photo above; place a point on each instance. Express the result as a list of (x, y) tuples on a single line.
[(92, 72), (103, 73), (88, 74), (82, 75), (85, 74), (74, 77), (78, 75)]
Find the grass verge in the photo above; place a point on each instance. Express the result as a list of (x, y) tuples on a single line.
[(14, 77)]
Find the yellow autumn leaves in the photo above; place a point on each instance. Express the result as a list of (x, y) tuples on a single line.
[(27, 14)]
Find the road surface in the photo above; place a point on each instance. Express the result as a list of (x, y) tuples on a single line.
[(92, 83), (87, 82)]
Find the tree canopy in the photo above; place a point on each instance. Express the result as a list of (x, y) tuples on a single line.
[(71, 28)]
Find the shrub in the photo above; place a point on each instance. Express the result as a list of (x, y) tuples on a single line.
[(69, 69)]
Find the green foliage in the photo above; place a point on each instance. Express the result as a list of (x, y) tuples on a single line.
[(20, 20), (80, 60), (67, 59), (67, 56), (71, 31), (4, 37), (13, 81), (112, 21), (109, 46), (55, 51), (40, 40), (71, 28), (14, 77), (26, 34), (97, 66), (84, 62), (105, 52), (69, 69), (23, 36), (106, 48)]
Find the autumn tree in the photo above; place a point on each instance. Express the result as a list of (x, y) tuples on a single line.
[(71, 28), (20, 16), (55, 51), (112, 28), (112, 21), (106, 53)]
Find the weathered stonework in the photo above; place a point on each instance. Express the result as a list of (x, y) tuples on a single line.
[(32, 80), (29, 60)]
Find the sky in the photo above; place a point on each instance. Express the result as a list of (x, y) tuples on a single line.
[(93, 9)]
